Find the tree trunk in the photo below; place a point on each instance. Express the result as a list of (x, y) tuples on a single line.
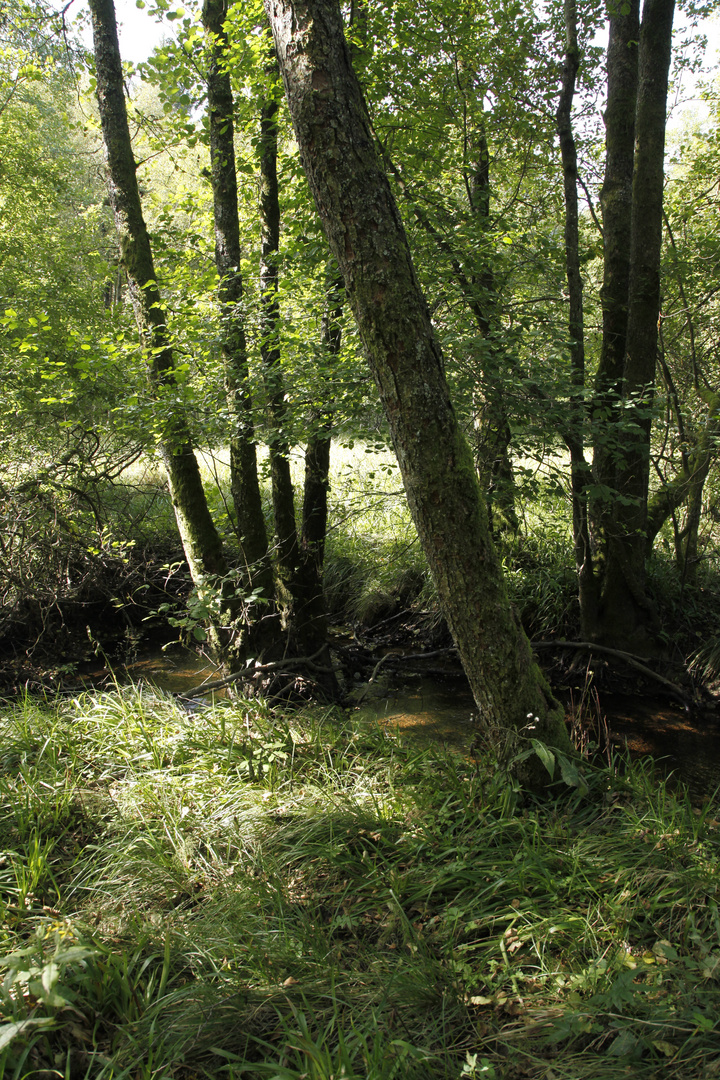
[(625, 613), (201, 541), (617, 208), (492, 428), (579, 470), (367, 237), (245, 488), (310, 610), (286, 545), (317, 452)]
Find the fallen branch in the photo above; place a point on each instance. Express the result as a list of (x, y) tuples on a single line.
[(259, 669), (629, 658), (399, 656)]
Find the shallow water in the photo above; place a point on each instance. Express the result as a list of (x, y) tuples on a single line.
[(687, 747), (437, 711), (443, 710)]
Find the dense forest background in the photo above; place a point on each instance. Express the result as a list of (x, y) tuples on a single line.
[(489, 123)]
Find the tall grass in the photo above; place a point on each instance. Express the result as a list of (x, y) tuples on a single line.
[(243, 893)]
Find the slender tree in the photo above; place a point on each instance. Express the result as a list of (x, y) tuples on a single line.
[(201, 541), (580, 476), (244, 483), (283, 495)]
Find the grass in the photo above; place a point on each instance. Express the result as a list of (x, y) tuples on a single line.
[(241, 893)]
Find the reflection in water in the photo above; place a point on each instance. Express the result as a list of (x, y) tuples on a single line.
[(437, 711), (175, 671), (682, 746), (688, 748)]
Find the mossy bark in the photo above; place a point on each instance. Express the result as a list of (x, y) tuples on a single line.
[(201, 541), (626, 615), (367, 237)]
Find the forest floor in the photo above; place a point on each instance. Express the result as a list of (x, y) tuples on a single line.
[(242, 892)]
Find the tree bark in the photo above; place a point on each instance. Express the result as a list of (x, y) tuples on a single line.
[(244, 485), (201, 541), (368, 240), (580, 475), (286, 542), (317, 452), (617, 208), (626, 614)]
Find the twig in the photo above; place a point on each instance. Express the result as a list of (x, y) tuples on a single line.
[(256, 669)]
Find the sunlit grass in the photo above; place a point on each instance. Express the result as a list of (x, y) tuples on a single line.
[(243, 892)]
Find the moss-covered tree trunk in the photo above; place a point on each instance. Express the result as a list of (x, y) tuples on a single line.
[(625, 615), (367, 237), (244, 485), (201, 542)]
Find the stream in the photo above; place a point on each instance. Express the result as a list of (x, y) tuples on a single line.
[(442, 710)]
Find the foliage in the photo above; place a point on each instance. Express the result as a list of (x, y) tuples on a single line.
[(244, 892)]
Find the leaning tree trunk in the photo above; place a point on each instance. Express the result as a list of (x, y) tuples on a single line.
[(244, 485), (626, 615), (367, 237), (202, 544)]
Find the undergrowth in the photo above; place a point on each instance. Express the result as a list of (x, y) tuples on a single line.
[(238, 893)]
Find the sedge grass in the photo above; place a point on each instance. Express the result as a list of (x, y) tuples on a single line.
[(242, 893)]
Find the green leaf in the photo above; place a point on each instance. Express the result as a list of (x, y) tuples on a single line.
[(8, 1032), (546, 756), (572, 776)]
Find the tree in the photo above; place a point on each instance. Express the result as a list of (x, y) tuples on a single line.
[(200, 538), (611, 560), (243, 459), (367, 238)]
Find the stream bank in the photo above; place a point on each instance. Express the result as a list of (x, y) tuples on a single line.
[(436, 705)]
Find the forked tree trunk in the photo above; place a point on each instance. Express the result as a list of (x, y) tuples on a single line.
[(368, 240), (625, 615), (201, 541)]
